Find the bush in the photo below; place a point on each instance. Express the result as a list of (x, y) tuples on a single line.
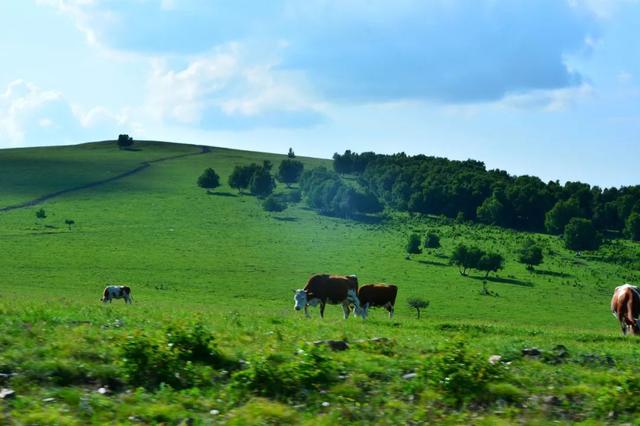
[(262, 183), (276, 376), (273, 204), (462, 376), (294, 196), (124, 141), (290, 171), (413, 245), (432, 240), (41, 214), (241, 176), (209, 179), (580, 234)]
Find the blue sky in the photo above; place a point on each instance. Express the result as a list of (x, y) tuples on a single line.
[(543, 87)]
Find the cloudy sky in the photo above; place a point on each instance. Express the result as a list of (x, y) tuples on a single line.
[(543, 87)]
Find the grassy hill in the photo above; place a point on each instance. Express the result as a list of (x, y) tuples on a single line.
[(217, 260)]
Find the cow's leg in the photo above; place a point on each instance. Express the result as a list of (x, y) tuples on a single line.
[(346, 309), (306, 311), (364, 310), (322, 305), (390, 309)]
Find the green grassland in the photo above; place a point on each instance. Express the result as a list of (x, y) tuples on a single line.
[(215, 264)]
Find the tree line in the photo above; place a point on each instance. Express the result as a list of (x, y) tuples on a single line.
[(468, 191)]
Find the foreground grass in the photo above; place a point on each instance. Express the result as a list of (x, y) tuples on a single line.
[(216, 259)]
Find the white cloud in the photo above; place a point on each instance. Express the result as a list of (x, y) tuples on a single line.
[(549, 100)]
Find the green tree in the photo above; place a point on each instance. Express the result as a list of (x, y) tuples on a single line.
[(291, 154), (417, 304), (492, 211), (413, 244), (262, 183), (41, 214), (530, 254), (209, 179), (240, 177), (124, 141), (432, 240), (466, 258), (559, 216), (290, 171), (490, 262), (580, 234), (632, 227), (69, 223)]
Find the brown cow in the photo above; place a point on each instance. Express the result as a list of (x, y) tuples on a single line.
[(377, 295), (625, 305), (333, 289)]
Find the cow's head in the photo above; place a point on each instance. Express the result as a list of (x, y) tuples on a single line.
[(299, 299)]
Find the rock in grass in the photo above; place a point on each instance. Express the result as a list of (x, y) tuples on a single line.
[(334, 345), (494, 359), (7, 393), (47, 400)]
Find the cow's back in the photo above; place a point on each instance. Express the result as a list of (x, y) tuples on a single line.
[(333, 288), (625, 303), (378, 294)]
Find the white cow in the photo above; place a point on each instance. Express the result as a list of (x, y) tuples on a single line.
[(116, 292)]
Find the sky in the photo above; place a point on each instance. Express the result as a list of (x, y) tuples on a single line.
[(549, 88)]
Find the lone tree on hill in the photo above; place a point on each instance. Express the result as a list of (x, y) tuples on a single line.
[(41, 214), (490, 262), (209, 179), (530, 254), (417, 304), (466, 258), (69, 222), (632, 227), (290, 171), (291, 154), (432, 240), (580, 234), (124, 141), (413, 245)]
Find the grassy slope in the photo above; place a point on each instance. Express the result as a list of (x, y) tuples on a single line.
[(219, 257)]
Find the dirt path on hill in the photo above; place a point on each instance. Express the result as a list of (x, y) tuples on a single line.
[(144, 165)]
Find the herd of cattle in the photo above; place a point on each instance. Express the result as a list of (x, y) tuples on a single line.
[(343, 290)]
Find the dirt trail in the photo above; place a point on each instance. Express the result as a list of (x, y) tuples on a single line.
[(144, 165)]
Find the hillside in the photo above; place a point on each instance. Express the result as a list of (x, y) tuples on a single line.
[(220, 259)]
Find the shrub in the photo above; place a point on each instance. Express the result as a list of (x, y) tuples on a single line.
[(294, 196), (273, 204), (413, 245), (124, 141), (580, 234), (209, 179), (290, 171), (69, 223), (432, 240), (41, 214), (462, 376), (417, 304)]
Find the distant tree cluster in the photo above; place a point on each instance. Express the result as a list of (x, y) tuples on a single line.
[(124, 141), (326, 192), (475, 258), (253, 177), (466, 189)]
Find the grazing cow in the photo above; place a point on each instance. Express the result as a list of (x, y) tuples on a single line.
[(323, 288), (116, 292), (377, 295), (625, 305)]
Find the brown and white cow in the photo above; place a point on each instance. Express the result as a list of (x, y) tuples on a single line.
[(377, 295), (116, 292), (625, 305), (333, 289)]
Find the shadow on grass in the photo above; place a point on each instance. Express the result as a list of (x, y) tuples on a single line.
[(505, 281), (130, 149), (552, 273), (285, 218), (222, 194), (432, 263)]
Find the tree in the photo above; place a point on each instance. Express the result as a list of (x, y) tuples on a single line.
[(530, 254), (41, 214), (273, 204), (632, 227), (290, 171), (490, 262), (262, 183), (492, 211), (417, 304), (69, 222), (291, 154), (413, 245), (241, 176), (432, 240), (124, 141), (466, 258), (580, 234), (209, 179), (559, 216)]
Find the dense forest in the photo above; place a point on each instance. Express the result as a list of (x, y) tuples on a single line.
[(466, 190)]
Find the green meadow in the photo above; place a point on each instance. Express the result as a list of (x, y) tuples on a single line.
[(212, 337)]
